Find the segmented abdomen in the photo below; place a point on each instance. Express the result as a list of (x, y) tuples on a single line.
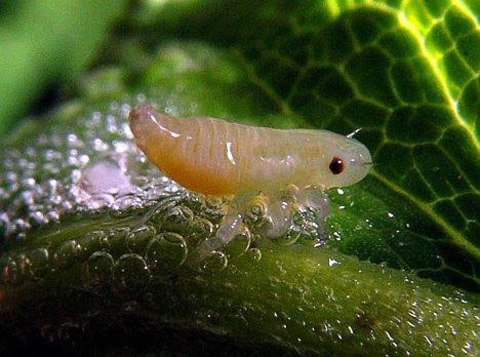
[(213, 156), (210, 154)]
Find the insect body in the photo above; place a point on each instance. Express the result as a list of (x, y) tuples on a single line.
[(215, 157)]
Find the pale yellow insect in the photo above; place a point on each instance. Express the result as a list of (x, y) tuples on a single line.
[(215, 157)]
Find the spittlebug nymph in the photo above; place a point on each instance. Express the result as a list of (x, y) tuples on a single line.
[(215, 157)]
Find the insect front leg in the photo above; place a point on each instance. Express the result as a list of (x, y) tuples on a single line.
[(315, 199), (231, 225), (280, 207)]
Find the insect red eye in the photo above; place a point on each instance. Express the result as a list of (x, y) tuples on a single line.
[(336, 165)]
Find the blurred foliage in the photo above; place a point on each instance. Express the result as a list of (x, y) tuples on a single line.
[(406, 72), (47, 44)]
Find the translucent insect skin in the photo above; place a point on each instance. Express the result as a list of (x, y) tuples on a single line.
[(215, 157)]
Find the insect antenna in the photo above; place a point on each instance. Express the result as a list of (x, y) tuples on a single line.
[(353, 133)]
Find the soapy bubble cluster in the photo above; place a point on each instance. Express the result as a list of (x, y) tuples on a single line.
[(68, 172), (92, 168)]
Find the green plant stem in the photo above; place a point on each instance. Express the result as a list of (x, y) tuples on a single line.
[(294, 297)]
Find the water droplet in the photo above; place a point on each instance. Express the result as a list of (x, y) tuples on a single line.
[(290, 237), (11, 271), (131, 273), (71, 333), (124, 205), (255, 253), (332, 262), (99, 268), (68, 253), (48, 333), (337, 235), (240, 243), (166, 252), (117, 240), (39, 262), (138, 238), (94, 241), (202, 228), (178, 218), (213, 262)]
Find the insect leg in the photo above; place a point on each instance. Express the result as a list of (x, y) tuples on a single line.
[(316, 200)]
